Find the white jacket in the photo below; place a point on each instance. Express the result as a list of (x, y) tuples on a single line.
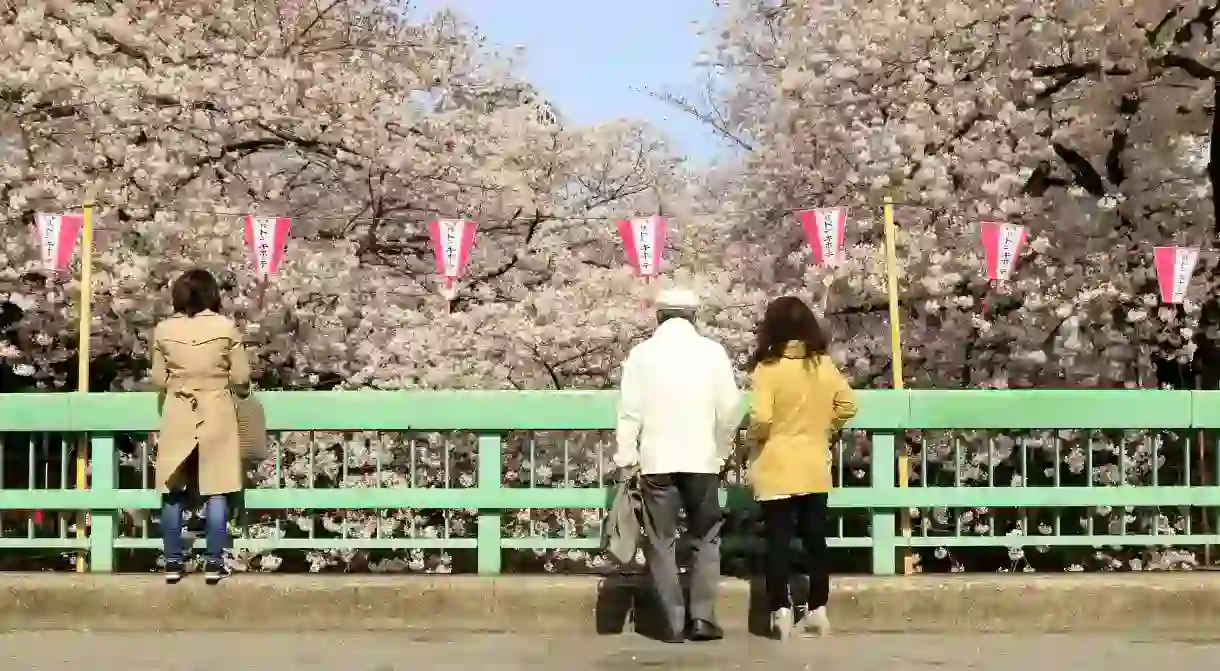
[(679, 406)]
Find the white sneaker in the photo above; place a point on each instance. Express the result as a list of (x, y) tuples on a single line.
[(817, 621), (781, 623)]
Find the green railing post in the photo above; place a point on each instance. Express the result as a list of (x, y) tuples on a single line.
[(103, 528), (491, 415), (882, 527), (490, 548)]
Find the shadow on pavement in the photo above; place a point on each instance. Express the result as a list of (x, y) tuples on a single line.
[(626, 602), (628, 599)]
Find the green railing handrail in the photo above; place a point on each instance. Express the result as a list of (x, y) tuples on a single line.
[(586, 410), (490, 414)]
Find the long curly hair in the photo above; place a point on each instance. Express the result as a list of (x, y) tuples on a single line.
[(788, 319)]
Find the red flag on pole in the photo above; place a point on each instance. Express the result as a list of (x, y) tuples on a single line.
[(56, 236), (825, 229), (1174, 267), (1001, 246), (267, 238), (452, 240), (644, 243)]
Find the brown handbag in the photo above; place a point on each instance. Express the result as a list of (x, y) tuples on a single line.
[(251, 427)]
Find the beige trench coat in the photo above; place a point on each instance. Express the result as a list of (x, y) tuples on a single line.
[(198, 362)]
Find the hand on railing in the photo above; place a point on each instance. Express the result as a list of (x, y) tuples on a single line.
[(626, 473), (727, 464)]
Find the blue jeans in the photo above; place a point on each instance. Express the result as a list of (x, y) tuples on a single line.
[(216, 520)]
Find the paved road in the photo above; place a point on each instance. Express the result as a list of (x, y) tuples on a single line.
[(390, 652)]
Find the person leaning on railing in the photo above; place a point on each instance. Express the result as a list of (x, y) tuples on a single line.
[(199, 364), (801, 401)]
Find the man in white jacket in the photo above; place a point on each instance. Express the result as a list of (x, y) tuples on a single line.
[(678, 411)]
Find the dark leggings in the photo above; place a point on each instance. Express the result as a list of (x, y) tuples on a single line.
[(784, 520)]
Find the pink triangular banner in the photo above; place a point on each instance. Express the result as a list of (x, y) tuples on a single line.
[(1174, 268), (452, 240), (644, 243), (825, 228), (267, 239), (1002, 245), (56, 236)]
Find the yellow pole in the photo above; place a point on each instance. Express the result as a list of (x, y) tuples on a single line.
[(82, 365), (891, 276), (891, 282)]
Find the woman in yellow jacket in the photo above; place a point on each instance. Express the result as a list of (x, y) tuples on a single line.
[(801, 402)]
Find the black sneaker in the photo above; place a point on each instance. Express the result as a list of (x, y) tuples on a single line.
[(215, 571), (174, 572)]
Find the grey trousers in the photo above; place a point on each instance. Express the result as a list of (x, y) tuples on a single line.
[(665, 497)]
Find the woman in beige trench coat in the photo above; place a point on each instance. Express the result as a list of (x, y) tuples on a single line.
[(199, 363)]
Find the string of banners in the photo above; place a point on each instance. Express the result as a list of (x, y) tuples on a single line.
[(644, 242)]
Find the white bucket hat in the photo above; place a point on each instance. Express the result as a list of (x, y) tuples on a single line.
[(677, 298)]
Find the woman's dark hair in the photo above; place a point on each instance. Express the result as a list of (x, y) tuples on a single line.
[(195, 291), (788, 319)]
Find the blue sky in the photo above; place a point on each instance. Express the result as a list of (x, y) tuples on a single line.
[(587, 56)]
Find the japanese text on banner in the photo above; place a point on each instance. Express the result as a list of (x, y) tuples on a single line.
[(452, 247), (1183, 268), (644, 233), (49, 231), (828, 224), (1010, 238)]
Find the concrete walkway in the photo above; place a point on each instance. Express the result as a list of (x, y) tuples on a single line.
[(392, 651), (582, 606)]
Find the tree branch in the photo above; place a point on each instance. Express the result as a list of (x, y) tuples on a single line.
[(1188, 65), (1086, 175)]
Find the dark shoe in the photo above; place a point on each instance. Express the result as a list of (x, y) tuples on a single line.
[(671, 637), (215, 572), (174, 572), (702, 630)]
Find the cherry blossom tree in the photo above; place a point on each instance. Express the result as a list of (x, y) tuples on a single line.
[(357, 123), (1090, 123), (361, 122), (964, 111)]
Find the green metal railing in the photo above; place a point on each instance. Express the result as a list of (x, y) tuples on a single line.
[(491, 472)]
